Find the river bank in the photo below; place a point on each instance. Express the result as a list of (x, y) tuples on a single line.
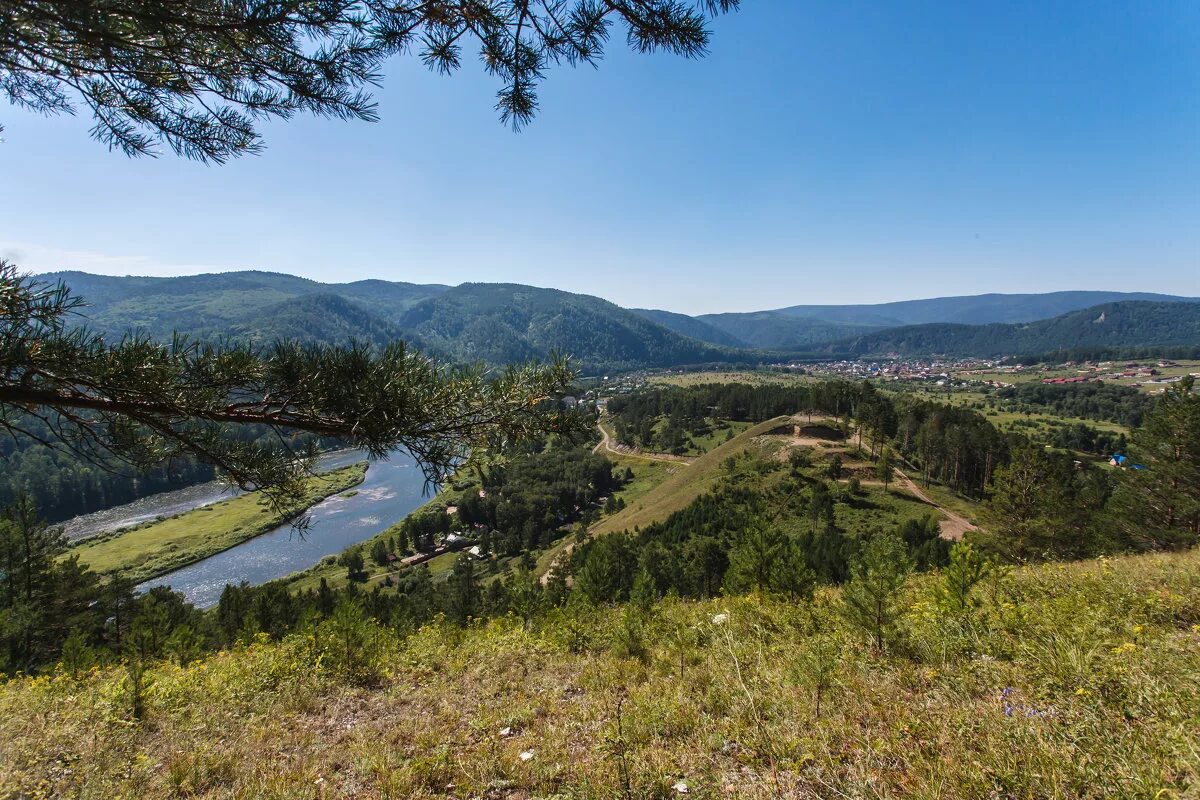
[(391, 490), (160, 547)]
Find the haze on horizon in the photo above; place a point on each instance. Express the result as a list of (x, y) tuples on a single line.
[(819, 154)]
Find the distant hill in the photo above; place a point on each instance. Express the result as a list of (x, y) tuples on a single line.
[(695, 327), (972, 310), (499, 323), (1122, 325), (800, 328), (222, 302), (493, 323), (502, 322), (773, 330), (312, 319)]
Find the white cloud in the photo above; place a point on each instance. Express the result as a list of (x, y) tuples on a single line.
[(30, 257)]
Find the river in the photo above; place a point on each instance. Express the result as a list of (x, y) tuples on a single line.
[(391, 490)]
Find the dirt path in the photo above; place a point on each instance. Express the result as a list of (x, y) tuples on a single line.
[(952, 526), (606, 443)]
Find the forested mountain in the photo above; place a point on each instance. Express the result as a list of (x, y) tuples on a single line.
[(772, 330), (972, 310), (501, 323), (695, 327), (1112, 325), (802, 327), (228, 302)]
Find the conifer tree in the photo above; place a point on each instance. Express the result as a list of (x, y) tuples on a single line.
[(1157, 502), (463, 593), (871, 598), (198, 75), (142, 403)]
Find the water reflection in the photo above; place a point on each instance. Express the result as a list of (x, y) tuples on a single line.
[(392, 489)]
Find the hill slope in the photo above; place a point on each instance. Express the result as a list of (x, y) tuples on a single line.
[(680, 489), (1071, 680), (501, 322), (972, 309), (224, 303), (1112, 325), (693, 327), (775, 331)]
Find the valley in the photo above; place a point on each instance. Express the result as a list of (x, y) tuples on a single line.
[(837, 533)]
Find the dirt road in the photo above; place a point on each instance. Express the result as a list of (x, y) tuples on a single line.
[(952, 525), (606, 443)]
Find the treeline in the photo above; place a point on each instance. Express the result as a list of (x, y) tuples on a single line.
[(767, 526), (952, 445), (692, 410), (65, 481), (54, 608), (752, 533), (1065, 354), (1096, 400), (63, 484), (523, 503)]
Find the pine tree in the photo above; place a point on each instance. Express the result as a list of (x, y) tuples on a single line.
[(197, 75), (885, 467), (1157, 501), (871, 599), (525, 596), (966, 570), (462, 596), (643, 594), (143, 403), (766, 560)]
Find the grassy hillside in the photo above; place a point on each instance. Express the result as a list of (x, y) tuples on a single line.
[(156, 548), (1069, 681), (682, 486)]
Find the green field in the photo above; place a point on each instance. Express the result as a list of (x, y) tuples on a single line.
[(753, 377), (1038, 373), (159, 547)]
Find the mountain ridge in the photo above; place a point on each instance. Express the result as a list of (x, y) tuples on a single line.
[(499, 323)]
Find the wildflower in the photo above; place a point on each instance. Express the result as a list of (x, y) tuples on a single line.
[(1124, 647), (680, 787), (1138, 629), (1081, 692), (720, 619)]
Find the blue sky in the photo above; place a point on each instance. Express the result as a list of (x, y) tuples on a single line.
[(823, 152)]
